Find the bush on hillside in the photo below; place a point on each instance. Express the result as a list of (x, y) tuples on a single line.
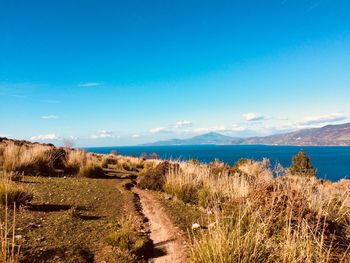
[(107, 161), (39, 167), (193, 161), (37, 160), (154, 179), (58, 158), (2, 149), (188, 193), (72, 169), (91, 171), (301, 165), (132, 167), (236, 167), (11, 193)]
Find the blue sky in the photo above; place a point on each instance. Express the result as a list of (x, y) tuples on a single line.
[(128, 72)]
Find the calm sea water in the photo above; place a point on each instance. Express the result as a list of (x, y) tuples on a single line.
[(332, 163)]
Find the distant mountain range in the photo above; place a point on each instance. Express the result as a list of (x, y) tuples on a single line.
[(327, 135), (208, 138)]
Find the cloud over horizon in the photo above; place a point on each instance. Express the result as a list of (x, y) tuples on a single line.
[(159, 130), (45, 137), (224, 129), (183, 123), (102, 134), (253, 116), (322, 119)]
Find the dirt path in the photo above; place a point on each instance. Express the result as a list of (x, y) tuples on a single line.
[(168, 244)]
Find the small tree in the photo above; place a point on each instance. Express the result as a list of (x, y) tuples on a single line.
[(144, 156), (301, 165), (68, 143), (154, 156)]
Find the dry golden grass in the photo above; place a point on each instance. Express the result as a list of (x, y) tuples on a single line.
[(9, 251), (22, 157), (11, 195), (262, 218), (44, 160), (257, 217)]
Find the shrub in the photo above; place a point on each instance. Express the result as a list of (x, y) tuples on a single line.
[(39, 167), (14, 176), (236, 167), (143, 156), (132, 167), (91, 171), (11, 193), (2, 149), (301, 165), (204, 195), (114, 152), (154, 156), (58, 157), (154, 179), (33, 159), (108, 160), (193, 161), (188, 193), (72, 169), (127, 239)]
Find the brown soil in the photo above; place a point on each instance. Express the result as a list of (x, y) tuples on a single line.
[(168, 242), (69, 218)]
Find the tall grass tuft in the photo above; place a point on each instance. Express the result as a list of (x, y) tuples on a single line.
[(9, 251), (12, 194)]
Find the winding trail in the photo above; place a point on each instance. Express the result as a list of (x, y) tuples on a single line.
[(168, 243)]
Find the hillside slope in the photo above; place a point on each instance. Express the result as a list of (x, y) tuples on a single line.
[(327, 135)]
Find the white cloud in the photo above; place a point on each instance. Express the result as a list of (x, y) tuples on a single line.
[(48, 117), (102, 134), (90, 84), (176, 128), (157, 130), (233, 128), (135, 136), (210, 129), (45, 137), (237, 128), (181, 124), (160, 130), (253, 116), (322, 119)]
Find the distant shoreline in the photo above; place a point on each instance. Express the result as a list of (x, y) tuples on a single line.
[(331, 161), (177, 145)]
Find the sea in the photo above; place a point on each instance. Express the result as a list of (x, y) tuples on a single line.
[(331, 162)]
